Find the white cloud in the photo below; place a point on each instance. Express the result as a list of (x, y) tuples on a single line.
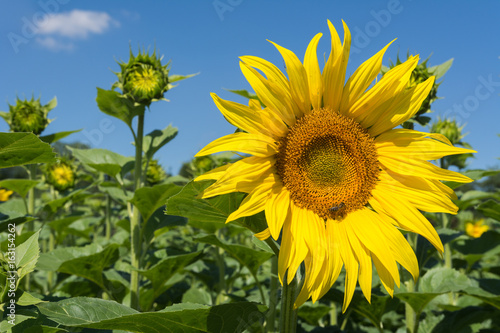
[(54, 44), (76, 24)]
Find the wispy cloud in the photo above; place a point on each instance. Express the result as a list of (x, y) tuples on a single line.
[(57, 31)]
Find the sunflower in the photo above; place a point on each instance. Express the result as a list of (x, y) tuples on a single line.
[(334, 176), (476, 229)]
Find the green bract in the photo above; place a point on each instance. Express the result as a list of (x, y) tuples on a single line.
[(155, 173), (29, 115), (453, 131), (143, 78)]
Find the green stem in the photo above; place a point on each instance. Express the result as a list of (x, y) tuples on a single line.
[(31, 197), (135, 221), (108, 217), (288, 315), (346, 319), (410, 315), (273, 296), (333, 314)]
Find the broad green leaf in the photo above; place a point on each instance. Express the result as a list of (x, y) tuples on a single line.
[(26, 299), (417, 301), (13, 208), (51, 138), (27, 255), (104, 160), (159, 223), (91, 267), (312, 313), (160, 273), (250, 258), (153, 141), (149, 199), (53, 206), (23, 148), (116, 105), (187, 318), (374, 311), (197, 295), (17, 221), (490, 208), (443, 279), (216, 210), (20, 186), (440, 70), (489, 242), (462, 320)]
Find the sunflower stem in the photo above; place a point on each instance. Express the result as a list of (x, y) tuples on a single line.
[(288, 315), (135, 221), (108, 217), (273, 299), (410, 314)]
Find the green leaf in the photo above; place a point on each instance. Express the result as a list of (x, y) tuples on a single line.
[(187, 318), (53, 206), (490, 208), (417, 301), (245, 93), (20, 186), (160, 273), (213, 210), (27, 255), (374, 311), (250, 258), (197, 295), (90, 267), (462, 319), (153, 141), (442, 280), (312, 313), (116, 105), (26, 299), (23, 148), (488, 242), (4, 224), (440, 70), (149, 199), (104, 160), (51, 138)]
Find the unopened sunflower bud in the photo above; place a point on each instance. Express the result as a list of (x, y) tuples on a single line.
[(143, 78), (28, 115), (155, 173)]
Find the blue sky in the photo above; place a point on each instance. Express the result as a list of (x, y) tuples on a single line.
[(75, 52)]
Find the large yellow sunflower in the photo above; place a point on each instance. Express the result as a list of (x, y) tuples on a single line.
[(332, 173)]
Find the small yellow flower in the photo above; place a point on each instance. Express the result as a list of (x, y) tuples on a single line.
[(61, 176), (476, 229), (5, 194)]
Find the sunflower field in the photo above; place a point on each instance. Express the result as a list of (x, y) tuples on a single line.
[(336, 204)]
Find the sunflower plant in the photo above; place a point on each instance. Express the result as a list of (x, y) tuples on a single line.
[(335, 176)]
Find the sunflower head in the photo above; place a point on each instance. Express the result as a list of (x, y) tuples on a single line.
[(155, 173), (29, 115), (328, 164), (5, 194), (143, 78), (476, 229), (61, 175)]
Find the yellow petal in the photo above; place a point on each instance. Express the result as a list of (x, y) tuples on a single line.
[(314, 78), (255, 201), (277, 209), (391, 84), (298, 230), (242, 176), (287, 250), (254, 144), (405, 215), (350, 262), (263, 235), (413, 167), (365, 264), (402, 107), (214, 173), (242, 117), (361, 80), (264, 90), (335, 68), (384, 275), (298, 79)]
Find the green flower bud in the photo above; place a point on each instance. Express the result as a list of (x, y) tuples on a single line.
[(28, 115), (61, 175), (143, 78), (155, 173), (451, 130)]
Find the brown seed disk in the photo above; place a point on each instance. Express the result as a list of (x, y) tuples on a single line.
[(328, 163)]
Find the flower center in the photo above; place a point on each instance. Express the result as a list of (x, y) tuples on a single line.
[(328, 163), (145, 80)]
